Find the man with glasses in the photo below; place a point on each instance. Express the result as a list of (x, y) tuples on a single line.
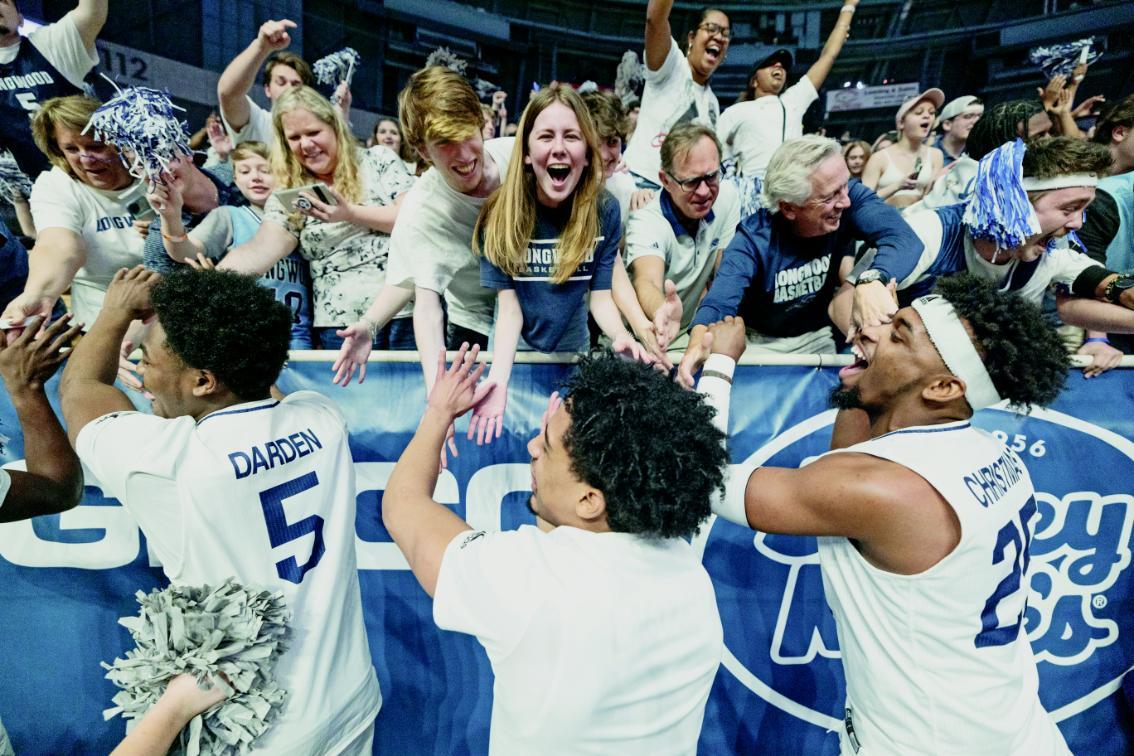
[(783, 265), (680, 234), (677, 87)]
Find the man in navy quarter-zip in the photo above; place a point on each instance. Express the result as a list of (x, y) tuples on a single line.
[(783, 265)]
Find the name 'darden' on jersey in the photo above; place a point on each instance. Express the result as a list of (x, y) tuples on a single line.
[(272, 454)]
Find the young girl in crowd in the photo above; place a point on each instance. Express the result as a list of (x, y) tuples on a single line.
[(346, 240), (229, 226), (388, 133), (548, 236), (856, 154), (903, 172)]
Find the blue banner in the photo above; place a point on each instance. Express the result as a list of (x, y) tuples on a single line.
[(68, 578)]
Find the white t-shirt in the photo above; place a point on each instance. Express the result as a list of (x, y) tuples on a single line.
[(348, 261), (670, 97), (752, 131), (431, 244), (689, 261), (63, 47), (258, 128), (104, 224), (1061, 264), (263, 492), (601, 643), (622, 187)]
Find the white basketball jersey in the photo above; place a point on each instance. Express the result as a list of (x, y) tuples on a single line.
[(264, 492), (937, 662)]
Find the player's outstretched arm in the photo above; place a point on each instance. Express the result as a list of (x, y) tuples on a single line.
[(54, 478), (420, 526), (88, 380)]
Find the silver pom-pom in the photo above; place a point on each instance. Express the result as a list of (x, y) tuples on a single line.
[(630, 78), (338, 67), (14, 183), (225, 630), (587, 86), (140, 122), (446, 58)]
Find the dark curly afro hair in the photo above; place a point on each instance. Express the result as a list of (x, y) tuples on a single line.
[(649, 445), (1022, 352), (226, 323)]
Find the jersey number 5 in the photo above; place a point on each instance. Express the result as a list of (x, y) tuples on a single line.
[(1019, 534), (280, 531)]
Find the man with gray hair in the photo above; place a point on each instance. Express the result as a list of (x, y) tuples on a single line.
[(783, 264), (675, 241)]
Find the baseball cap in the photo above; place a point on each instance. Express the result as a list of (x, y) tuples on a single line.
[(781, 56), (933, 94), (955, 108)]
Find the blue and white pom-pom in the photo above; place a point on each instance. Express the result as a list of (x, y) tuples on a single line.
[(14, 183), (227, 632), (336, 68), (1061, 60), (999, 210), (141, 123)]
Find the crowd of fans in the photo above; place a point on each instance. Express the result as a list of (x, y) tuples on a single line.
[(634, 222), (359, 274)]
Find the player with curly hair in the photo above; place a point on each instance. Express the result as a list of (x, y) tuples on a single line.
[(227, 482), (601, 624), (923, 521)]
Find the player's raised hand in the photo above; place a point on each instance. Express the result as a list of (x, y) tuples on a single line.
[(274, 36), (130, 290), (455, 389), (727, 337)]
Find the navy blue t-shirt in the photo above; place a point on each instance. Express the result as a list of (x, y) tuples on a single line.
[(554, 311)]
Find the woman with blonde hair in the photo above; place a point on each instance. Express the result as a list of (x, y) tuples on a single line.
[(548, 237), (345, 240), (84, 213), (902, 173), (856, 154)]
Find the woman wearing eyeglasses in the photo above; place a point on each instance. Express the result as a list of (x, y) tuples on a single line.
[(548, 237), (677, 86)]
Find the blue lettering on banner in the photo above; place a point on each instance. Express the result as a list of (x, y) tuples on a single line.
[(272, 454)]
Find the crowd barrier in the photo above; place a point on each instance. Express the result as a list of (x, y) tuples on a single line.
[(68, 578)]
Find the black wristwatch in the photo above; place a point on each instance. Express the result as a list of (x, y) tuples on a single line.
[(1118, 284), (872, 275)]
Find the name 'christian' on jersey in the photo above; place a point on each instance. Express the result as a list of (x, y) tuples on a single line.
[(938, 662), (264, 492)]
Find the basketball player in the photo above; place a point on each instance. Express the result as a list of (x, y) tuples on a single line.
[(227, 482), (923, 522)]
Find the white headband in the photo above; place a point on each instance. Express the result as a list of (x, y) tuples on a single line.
[(952, 341), (1031, 184)]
